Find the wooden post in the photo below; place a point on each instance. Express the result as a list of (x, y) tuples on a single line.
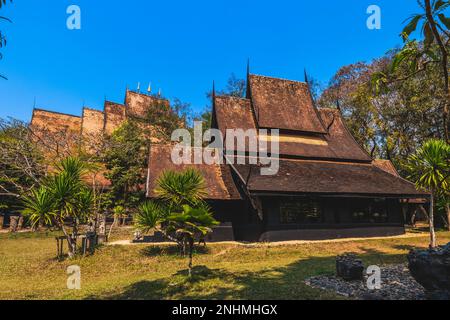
[(57, 248)]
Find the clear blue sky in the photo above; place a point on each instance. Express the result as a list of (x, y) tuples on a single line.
[(180, 46)]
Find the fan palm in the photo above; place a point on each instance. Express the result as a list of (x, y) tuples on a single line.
[(430, 169), (63, 195), (149, 216), (180, 188), (39, 206), (189, 225)]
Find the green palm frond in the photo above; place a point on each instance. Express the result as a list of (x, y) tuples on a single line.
[(429, 167), (187, 187), (192, 221), (150, 214), (39, 206)]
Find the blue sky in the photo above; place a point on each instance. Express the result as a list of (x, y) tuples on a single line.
[(179, 46)]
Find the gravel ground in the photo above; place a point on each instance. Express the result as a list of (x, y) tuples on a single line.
[(396, 284)]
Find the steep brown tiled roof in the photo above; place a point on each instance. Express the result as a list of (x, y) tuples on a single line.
[(339, 139), (386, 165), (284, 104), (235, 113), (138, 103), (92, 122), (55, 121), (323, 177), (218, 179), (114, 116)]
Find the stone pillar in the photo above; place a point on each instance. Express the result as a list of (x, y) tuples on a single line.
[(20, 223), (102, 225), (13, 223), (2, 219)]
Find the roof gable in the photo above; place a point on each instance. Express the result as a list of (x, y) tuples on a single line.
[(284, 104), (218, 180)]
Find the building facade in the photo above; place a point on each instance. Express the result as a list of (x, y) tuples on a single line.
[(327, 186)]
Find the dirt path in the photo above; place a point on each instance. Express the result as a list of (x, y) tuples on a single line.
[(276, 244)]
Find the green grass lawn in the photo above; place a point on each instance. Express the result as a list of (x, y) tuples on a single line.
[(29, 270)]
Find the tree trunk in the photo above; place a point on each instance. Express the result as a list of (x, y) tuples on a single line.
[(191, 249), (413, 218), (431, 220), (72, 245), (447, 208), (443, 49)]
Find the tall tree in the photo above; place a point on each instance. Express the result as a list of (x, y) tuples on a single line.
[(21, 164), (63, 197), (393, 122), (125, 157), (2, 36), (435, 29), (430, 168)]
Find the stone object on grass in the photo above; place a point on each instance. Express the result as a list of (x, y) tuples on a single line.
[(349, 268)]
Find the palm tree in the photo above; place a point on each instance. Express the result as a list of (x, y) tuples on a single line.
[(191, 224), (430, 169), (180, 212), (149, 217), (39, 206), (64, 195), (176, 189), (434, 25)]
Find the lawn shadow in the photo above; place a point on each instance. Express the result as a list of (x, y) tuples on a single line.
[(284, 283), (170, 250)]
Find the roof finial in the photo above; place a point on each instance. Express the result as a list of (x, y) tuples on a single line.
[(248, 67), (214, 90), (159, 93), (139, 87), (306, 77), (149, 89)]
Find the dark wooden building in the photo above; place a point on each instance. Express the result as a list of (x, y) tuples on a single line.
[(327, 186)]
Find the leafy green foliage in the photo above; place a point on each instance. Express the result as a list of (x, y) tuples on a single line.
[(430, 166), (191, 222), (21, 162), (180, 211), (149, 216), (62, 196), (125, 157), (178, 189), (39, 206)]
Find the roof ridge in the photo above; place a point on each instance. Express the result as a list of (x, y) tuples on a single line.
[(231, 97), (92, 109), (277, 78), (57, 112)]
